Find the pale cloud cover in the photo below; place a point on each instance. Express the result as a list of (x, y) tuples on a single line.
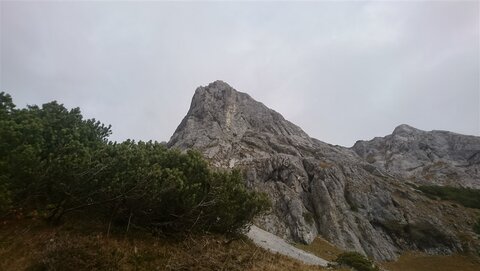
[(342, 71)]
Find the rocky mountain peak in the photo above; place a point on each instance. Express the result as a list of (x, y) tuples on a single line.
[(219, 92), (220, 113), (355, 198), (404, 129), (217, 98)]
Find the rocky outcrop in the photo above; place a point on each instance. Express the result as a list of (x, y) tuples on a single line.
[(316, 188), (435, 157)]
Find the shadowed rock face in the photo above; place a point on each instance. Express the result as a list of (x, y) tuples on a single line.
[(316, 188), (436, 157)]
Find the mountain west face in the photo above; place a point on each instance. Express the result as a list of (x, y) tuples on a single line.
[(356, 198)]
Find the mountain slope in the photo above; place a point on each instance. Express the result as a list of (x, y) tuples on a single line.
[(435, 157), (82, 245), (317, 188)]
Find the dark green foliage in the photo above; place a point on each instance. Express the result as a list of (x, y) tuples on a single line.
[(309, 218), (48, 155), (357, 261), (427, 236), (167, 190), (6, 132), (350, 201), (468, 197), (56, 163), (5, 196), (476, 227), (423, 234), (232, 204)]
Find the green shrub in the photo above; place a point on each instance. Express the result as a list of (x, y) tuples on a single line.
[(234, 206), (170, 191), (476, 227), (55, 162), (5, 197), (467, 197), (426, 235), (422, 233), (48, 155), (357, 261)]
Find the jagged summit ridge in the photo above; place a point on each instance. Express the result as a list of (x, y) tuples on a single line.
[(317, 188)]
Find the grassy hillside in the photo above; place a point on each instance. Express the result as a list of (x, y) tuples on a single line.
[(415, 261), (34, 246), (410, 261)]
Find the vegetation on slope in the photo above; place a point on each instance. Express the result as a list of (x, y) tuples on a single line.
[(476, 227), (414, 261), (321, 248), (55, 163), (467, 197), (84, 246), (410, 261), (357, 261)]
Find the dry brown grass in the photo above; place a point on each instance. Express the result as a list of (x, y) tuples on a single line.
[(322, 248), (324, 164), (29, 245), (411, 261), (416, 261)]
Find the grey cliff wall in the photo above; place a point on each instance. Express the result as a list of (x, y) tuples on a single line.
[(355, 202)]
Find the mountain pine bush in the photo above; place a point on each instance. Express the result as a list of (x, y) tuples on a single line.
[(56, 163), (357, 261)]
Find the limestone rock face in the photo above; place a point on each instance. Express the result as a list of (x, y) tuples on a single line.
[(317, 188), (436, 157)]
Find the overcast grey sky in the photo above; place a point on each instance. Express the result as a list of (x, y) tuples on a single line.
[(342, 71)]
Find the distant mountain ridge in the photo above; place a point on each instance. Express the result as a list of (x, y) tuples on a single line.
[(435, 157), (357, 198)]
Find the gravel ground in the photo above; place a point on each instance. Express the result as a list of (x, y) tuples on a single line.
[(274, 243)]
